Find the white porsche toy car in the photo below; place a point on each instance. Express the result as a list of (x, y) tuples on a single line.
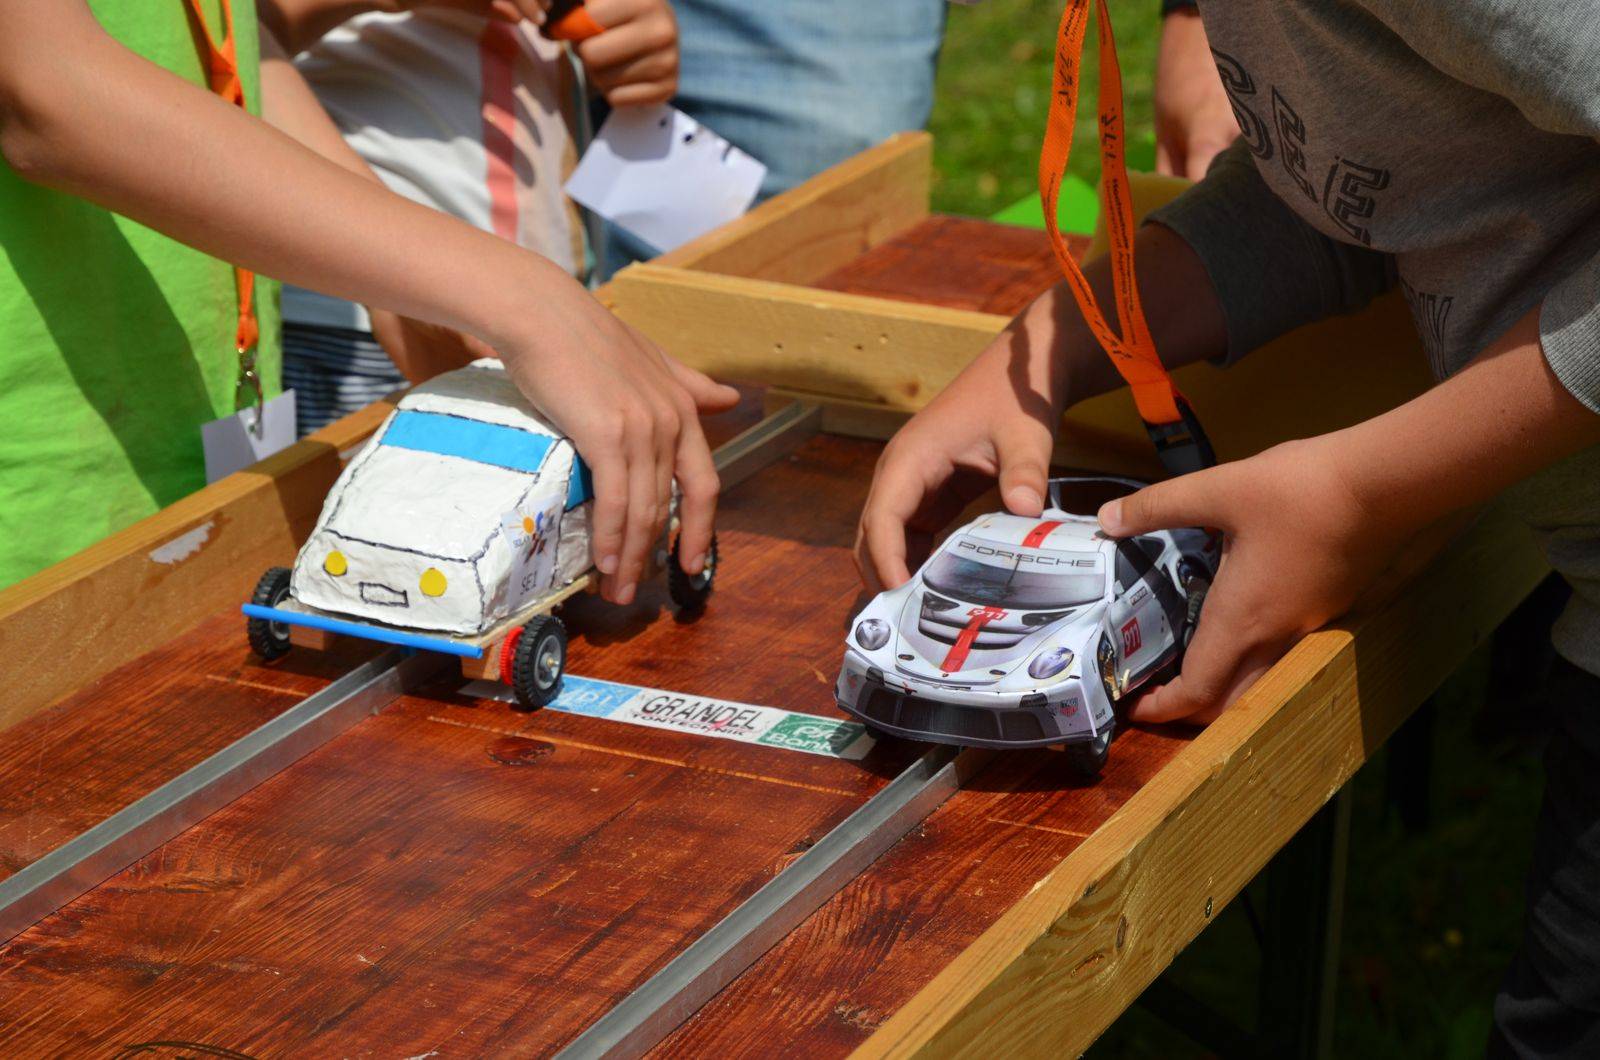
[(1022, 632), (466, 515)]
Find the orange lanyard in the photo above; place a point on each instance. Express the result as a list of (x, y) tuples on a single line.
[(1179, 439), (222, 72)]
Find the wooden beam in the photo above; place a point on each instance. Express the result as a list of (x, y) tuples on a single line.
[(824, 223), (142, 586), (857, 352), (1078, 445), (1052, 973)]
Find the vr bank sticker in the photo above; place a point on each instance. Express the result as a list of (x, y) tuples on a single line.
[(702, 716)]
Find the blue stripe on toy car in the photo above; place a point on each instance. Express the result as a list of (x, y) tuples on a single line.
[(580, 485), (485, 443)]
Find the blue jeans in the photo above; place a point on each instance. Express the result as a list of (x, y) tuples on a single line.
[(801, 84)]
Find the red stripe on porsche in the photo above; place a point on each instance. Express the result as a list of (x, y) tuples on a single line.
[(1037, 535), (978, 617)]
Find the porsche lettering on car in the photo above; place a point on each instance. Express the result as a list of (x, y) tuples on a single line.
[(1024, 632)]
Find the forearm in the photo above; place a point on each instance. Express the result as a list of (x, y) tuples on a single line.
[(288, 104), (1461, 443), (1065, 361), (127, 135)]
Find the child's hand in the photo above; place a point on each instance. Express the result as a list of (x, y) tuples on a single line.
[(635, 61), (633, 413), (1194, 120), (1300, 547), (990, 423)]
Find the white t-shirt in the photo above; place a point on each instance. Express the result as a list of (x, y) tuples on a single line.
[(464, 114)]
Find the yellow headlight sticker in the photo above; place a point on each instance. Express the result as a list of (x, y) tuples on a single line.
[(335, 564), (433, 583)]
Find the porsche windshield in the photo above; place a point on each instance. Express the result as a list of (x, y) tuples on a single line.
[(1028, 579)]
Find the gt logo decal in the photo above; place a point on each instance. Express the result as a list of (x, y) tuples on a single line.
[(1131, 640)]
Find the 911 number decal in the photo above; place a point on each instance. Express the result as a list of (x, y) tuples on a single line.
[(1131, 640)]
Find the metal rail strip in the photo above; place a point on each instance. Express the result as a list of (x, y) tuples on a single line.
[(642, 1019), (86, 861)]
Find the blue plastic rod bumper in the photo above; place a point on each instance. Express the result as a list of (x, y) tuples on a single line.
[(357, 629)]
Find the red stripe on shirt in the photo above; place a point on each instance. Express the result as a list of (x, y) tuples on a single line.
[(1037, 535), (497, 54), (978, 617)]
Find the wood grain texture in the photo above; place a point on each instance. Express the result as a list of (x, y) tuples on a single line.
[(144, 585), (67, 768), (454, 875), (1047, 908), (848, 968), (958, 263), (824, 223), (1052, 972)]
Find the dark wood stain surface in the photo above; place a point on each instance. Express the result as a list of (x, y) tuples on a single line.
[(959, 263), (452, 874), (852, 964), (70, 767), (458, 877)]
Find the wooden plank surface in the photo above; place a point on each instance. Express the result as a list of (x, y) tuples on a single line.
[(68, 768), (884, 353), (1029, 912), (137, 589), (958, 263), (824, 223), (452, 874)]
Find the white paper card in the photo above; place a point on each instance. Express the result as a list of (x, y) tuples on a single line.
[(232, 443), (663, 176)]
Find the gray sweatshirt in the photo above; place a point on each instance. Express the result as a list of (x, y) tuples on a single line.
[(1449, 146)]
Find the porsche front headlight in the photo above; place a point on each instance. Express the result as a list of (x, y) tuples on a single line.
[(872, 633), (1050, 663)]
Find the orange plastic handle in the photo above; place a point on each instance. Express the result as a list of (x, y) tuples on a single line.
[(574, 25), (222, 73), (1133, 352)]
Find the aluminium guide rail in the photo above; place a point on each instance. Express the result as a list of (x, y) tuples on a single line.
[(658, 1006), (89, 859)]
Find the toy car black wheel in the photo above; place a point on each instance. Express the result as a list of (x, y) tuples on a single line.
[(538, 661), (1194, 599), (1089, 756), (690, 592), (270, 639)]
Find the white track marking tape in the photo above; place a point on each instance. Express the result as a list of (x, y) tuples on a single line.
[(723, 719)]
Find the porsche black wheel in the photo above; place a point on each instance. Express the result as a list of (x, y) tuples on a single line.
[(538, 660), (270, 639), (691, 591), (1089, 757)]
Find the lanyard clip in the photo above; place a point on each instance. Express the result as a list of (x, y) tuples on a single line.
[(1182, 444), (247, 392)]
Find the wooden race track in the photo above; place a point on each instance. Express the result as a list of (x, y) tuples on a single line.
[(454, 878)]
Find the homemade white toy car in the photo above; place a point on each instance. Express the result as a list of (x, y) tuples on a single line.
[(466, 515), (1023, 632)]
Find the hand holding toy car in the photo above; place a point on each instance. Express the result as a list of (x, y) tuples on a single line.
[(634, 414)]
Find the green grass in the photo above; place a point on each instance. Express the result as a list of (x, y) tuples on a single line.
[(1430, 919), (994, 93)]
